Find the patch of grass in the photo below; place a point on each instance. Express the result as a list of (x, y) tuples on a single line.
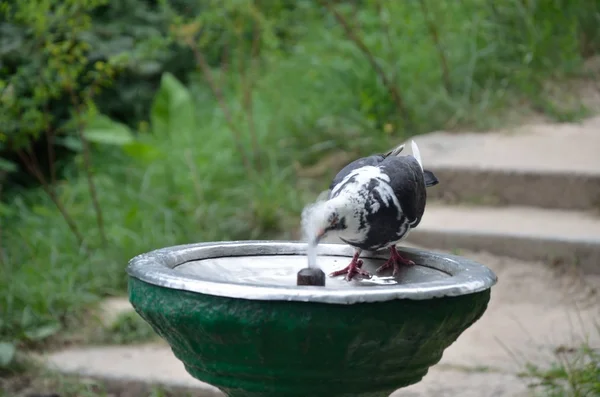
[(128, 328), (51, 385), (468, 369), (576, 373), (41, 382)]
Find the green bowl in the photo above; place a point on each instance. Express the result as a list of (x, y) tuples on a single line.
[(233, 314)]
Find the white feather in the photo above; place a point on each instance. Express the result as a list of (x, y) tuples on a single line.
[(358, 188), (416, 153)]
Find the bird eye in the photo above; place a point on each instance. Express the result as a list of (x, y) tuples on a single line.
[(333, 218)]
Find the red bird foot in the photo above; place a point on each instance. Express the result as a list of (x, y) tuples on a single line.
[(395, 260), (353, 268)]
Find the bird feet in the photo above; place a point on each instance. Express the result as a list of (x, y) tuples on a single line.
[(395, 261), (353, 268)]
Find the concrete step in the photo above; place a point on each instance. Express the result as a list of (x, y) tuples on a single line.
[(532, 311), (556, 236), (540, 165)]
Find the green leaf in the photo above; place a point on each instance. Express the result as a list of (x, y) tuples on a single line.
[(41, 210), (7, 166), (142, 151), (172, 109), (42, 332), (27, 317), (7, 353), (101, 129), (149, 68), (5, 210), (71, 142)]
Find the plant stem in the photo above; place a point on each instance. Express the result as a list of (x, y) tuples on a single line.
[(386, 25), (2, 253), (201, 61), (225, 59), (194, 175), (392, 88), (388, 37), (50, 145), (436, 40), (247, 89), (92, 187), (35, 171), (87, 162)]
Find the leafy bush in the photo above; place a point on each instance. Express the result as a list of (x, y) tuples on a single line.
[(57, 57), (44, 72), (441, 58), (112, 52)]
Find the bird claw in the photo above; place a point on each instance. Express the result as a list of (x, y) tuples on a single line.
[(395, 261), (353, 268)]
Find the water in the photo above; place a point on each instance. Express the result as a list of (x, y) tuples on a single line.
[(281, 270), (311, 254), (310, 226)]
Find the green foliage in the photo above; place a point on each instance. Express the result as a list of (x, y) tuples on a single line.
[(116, 53), (129, 327), (7, 354), (44, 60), (135, 34), (523, 44), (576, 373), (173, 109), (102, 130), (58, 57), (42, 382), (159, 189), (7, 166)]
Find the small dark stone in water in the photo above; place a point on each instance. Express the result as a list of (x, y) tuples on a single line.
[(311, 276)]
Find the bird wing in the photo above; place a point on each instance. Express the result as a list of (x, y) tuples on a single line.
[(408, 183), (373, 160)]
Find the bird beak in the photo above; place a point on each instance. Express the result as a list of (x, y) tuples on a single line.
[(319, 236)]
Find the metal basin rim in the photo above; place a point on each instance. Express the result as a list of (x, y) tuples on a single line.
[(158, 268)]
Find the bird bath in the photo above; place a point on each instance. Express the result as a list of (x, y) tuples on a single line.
[(233, 314)]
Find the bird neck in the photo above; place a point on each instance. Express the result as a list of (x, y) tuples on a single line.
[(341, 204)]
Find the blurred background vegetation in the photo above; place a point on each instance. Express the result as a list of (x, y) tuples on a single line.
[(131, 125)]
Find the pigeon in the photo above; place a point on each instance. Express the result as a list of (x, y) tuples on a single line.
[(372, 204)]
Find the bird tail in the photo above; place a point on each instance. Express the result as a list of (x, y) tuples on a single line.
[(394, 152), (430, 178), (416, 153)]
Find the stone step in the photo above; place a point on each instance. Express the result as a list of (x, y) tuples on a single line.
[(540, 165), (556, 236)]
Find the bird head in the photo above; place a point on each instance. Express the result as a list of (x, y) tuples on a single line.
[(324, 218)]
